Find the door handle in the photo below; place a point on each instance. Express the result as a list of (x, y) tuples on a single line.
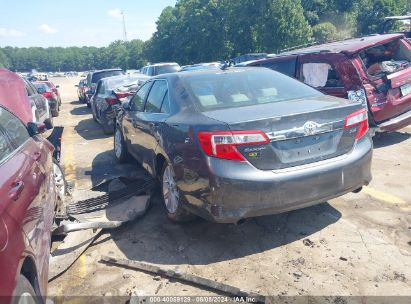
[(37, 155), (16, 190)]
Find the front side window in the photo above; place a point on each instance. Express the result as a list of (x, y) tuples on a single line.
[(13, 127), (156, 96), (320, 75), (137, 103)]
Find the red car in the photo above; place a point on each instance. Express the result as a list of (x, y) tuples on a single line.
[(54, 88), (375, 70), (28, 196)]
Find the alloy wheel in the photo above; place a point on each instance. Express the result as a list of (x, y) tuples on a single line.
[(170, 191), (117, 143)]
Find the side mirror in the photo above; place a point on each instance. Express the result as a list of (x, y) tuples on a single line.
[(126, 105), (35, 128)]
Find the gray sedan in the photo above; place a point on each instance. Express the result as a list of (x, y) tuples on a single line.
[(230, 144), (111, 91)]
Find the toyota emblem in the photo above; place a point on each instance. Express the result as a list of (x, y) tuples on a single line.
[(310, 128)]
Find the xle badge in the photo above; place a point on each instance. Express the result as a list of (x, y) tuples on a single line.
[(254, 154)]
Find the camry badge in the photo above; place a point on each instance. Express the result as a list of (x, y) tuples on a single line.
[(310, 128)]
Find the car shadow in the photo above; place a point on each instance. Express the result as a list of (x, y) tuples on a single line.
[(105, 167), (84, 110), (155, 239), (76, 102), (89, 129), (382, 140)]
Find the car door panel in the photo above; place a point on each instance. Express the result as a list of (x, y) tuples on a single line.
[(27, 178), (149, 123), (131, 129)]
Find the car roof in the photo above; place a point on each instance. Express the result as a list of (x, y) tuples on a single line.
[(188, 74), (406, 17), (13, 95), (163, 63), (105, 70), (345, 46)]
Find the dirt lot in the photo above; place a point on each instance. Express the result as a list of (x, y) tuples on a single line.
[(359, 244)]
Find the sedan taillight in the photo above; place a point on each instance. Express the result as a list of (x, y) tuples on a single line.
[(222, 144), (112, 100), (360, 119)]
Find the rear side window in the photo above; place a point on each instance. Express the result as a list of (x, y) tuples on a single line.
[(156, 96), (137, 103), (13, 127), (97, 76), (320, 75)]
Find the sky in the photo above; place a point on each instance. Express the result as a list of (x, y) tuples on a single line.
[(44, 23)]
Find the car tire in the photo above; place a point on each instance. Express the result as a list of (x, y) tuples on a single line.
[(93, 114), (24, 292), (171, 197), (120, 149)]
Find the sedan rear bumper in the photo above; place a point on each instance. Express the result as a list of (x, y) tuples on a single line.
[(238, 190), (396, 123)]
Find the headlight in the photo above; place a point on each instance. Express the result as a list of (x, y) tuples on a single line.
[(358, 96)]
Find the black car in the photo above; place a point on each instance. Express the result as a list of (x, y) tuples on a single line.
[(110, 92), (230, 144), (94, 77)]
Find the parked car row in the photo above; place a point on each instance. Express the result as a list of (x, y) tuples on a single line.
[(374, 70), (30, 191)]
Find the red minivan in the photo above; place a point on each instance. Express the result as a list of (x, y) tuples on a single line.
[(375, 70), (28, 197)]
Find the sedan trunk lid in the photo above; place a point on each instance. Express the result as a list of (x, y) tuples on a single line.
[(300, 131)]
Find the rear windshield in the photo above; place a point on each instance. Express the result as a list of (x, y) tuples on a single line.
[(97, 76), (240, 88), (43, 86), (164, 69), (115, 83), (386, 58)]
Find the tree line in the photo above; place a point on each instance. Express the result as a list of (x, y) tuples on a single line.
[(209, 30)]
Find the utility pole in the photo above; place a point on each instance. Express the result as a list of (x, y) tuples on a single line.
[(124, 27)]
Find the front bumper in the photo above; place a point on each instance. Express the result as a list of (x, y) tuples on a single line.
[(237, 190)]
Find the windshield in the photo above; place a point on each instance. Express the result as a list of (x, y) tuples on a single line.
[(97, 76), (164, 69), (239, 88)]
